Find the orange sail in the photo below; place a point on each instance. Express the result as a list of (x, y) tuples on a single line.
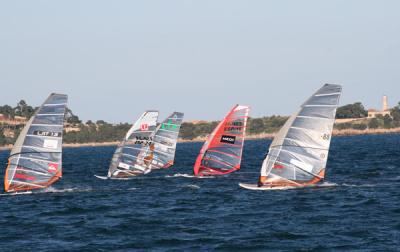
[(222, 152)]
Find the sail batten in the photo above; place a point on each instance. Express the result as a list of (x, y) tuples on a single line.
[(222, 151), (299, 152), (35, 160)]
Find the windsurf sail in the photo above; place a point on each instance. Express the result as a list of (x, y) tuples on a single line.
[(299, 153), (35, 159), (222, 152), (134, 154), (164, 141)]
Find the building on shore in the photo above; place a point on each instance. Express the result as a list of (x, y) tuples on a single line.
[(17, 120), (372, 113), (198, 121)]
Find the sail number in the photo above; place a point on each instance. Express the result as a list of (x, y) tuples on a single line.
[(233, 126), (326, 137), (46, 133), (146, 141)]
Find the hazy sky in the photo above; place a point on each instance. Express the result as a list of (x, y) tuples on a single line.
[(117, 58)]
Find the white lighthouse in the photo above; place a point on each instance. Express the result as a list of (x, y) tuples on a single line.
[(385, 106)]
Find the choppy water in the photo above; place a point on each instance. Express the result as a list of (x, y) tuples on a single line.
[(169, 210)]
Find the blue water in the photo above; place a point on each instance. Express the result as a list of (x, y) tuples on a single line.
[(167, 211)]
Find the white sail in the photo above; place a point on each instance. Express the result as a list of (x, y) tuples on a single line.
[(164, 140), (131, 157), (35, 160), (299, 152)]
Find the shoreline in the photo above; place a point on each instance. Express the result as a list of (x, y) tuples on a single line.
[(345, 132)]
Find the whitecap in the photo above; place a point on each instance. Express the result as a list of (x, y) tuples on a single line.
[(184, 175)]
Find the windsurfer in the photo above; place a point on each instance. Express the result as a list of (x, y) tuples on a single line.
[(262, 181), (148, 159), (263, 176)]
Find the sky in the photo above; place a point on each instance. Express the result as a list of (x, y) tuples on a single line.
[(116, 59)]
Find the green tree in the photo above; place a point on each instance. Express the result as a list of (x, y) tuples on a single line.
[(7, 111), (273, 123), (342, 126), (373, 123), (387, 122), (355, 110), (71, 118), (187, 130), (395, 113), (98, 122), (359, 126), (3, 139), (256, 126), (23, 109)]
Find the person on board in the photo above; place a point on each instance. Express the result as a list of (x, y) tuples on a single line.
[(147, 160), (263, 176), (262, 181)]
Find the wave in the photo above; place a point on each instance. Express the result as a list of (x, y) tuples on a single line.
[(73, 189), (322, 185), (184, 175), (327, 184), (49, 190), (192, 186), (130, 178), (16, 193), (370, 185), (101, 177)]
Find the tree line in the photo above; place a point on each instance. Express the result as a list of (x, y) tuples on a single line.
[(101, 131)]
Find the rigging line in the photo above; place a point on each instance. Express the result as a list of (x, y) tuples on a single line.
[(169, 138), (37, 172), (315, 175), (291, 181), (276, 160), (29, 184), (22, 166), (314, 117), (31, 152), (303, 155), (299, 141), (37, 159), (140, 158), (169, 131), (225, 153), (219, 161), (290, 145)]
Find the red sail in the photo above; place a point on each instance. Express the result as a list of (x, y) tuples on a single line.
[(222, 152)]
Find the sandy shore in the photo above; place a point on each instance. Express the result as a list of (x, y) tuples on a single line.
[(75, 145), (346, 132)]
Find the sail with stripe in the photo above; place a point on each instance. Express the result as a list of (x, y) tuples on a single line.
[(299, 153), (134, 154), (164, 141), (35, 160), (222, 152)]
